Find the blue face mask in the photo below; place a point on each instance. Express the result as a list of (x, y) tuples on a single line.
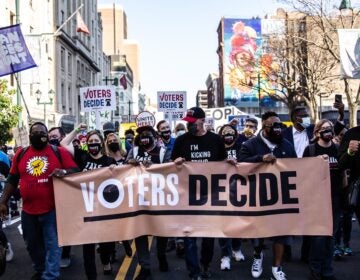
[(305, 122)]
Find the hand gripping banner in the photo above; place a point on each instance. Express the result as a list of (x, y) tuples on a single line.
[(215, 199)]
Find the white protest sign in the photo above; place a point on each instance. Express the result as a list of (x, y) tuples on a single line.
[(168, 101), (145, 118), (241, 119), (220, 115), (97, 98), (175, 116), (209, 123)]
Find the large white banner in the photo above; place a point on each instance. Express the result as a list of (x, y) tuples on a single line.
[(213, 199), (349, 42)]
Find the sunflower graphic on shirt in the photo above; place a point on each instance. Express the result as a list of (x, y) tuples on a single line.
[(36, 166)]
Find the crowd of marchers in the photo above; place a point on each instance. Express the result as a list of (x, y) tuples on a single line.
[(52, 153)]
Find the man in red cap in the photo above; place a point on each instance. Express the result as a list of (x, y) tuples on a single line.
[(198, 145)]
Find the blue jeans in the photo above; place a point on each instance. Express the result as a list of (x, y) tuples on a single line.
[(40, 236), (191, 255)]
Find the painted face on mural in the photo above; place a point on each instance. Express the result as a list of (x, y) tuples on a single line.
[(243, 59)]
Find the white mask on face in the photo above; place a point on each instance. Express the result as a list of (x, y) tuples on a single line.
[(305, 122), (180, 132)]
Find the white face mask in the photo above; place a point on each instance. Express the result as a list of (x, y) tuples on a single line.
[(305, 122), (180, 132)]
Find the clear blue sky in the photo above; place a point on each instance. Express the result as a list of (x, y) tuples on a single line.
[(178, 38)]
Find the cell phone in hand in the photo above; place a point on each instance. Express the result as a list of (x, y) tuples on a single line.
[(338, 98)]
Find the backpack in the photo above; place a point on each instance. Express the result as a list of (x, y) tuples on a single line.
[(24, 150)]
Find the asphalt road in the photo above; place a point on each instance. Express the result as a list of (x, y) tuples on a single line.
[(125, 268)]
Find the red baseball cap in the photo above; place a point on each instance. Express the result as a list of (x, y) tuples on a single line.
[(194, 114)]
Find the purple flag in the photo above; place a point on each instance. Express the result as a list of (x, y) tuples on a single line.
[(14, 55)]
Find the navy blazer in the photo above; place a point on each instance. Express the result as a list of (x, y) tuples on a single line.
[(288, 133), (255, 148)]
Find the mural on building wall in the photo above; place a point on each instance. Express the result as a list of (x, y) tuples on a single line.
[(250, 69)]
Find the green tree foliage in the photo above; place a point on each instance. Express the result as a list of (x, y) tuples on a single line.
[(8, 112)]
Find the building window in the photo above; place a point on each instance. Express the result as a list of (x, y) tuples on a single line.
[(69, 95), (62, 14), (82, 71), (69, 63), (63, 97), (121, 97), (12, 17), (121, 110), (12, 80), (62, 58)]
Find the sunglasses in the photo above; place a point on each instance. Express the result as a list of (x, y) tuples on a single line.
[(275, 125)]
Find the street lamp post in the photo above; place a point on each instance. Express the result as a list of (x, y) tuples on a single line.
[(259, 92), (51, 94), (320, 109)]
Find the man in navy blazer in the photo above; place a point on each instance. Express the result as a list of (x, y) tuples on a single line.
[(301, 133)]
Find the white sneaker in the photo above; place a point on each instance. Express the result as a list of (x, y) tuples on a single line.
[(9, 253), (225, 263), (238, 256), (257, 268), (278, 274), (65, 262)]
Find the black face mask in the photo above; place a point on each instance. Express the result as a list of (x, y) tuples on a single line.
[(94, 148), (55, 142), (146, 141), (165, 134), (39, 140), (228, 138), (327, 135), (114, 147), (275, 135), (192, 128)]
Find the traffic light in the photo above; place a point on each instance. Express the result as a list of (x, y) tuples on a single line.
[(116, 82)]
